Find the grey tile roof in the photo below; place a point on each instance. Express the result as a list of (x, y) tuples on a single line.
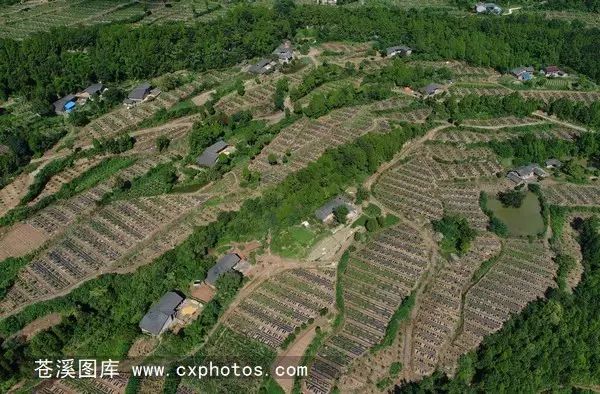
[(59, 105), (94, 89), (327, 209), (153, 322), (521, 70), (553, 163), (259, 68), (284, 51), (431, 88), (513, 176), (398, 48), (224, 264), (209, 157), (160, 313), (140, 92)]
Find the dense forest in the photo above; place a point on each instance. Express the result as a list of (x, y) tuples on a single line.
[(554, 345), (578, 5), (45, 66)]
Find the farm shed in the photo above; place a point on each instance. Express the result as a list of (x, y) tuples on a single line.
[(488, 8), (526, 173), (161, 315), (325, 213), (92, 90), (284, 52), (523, 73), (262, 67), (401, 50), (553, 163), (65, 104), (432, 89), (224, 264), (139, 94), (209, 157), (553, 71)]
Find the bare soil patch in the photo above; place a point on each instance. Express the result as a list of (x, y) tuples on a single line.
[(21, 239), (39, 325)]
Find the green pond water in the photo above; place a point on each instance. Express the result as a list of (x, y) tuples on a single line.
[(522, 221)]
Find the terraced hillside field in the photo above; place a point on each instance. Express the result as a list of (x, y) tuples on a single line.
[(94, 245), (522, 274), (377, 279), (282, 303)]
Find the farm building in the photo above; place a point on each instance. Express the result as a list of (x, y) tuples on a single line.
[(553, 163), (4, 150), (327, 2), (526, 173), (432, 89), (161, 315), (91, 91), (225, 263), (209, 157), (325, 213), (553, 72), (523, 73), (400, 50), (488, 8), (284, 52), (65, 104), (263, 66), (143, 92)]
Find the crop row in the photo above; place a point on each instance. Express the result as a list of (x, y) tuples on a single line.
[(521, 275), (282, 304), (572, 195), (95, 245), (304, 142), (375, 282), (439, 313)]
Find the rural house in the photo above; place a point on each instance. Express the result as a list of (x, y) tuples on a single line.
[(553, 72), (523, 73), (143, 92), (488, 8), (91, 91), (526, 173), (65, 104), (263, 66), (284, 52), (432, 89), (161, 315), (209, 157), (553, 163), (325, 213), (400, 50), (224, 264)]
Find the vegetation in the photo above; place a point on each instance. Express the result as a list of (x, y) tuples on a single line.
[(552, 337), (401, 314), (456, 232), (511, 198), (10, 267), (495, 225), (117, 52)]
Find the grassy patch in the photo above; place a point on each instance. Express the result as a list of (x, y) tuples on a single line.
[(399, 315), (10, 267), (295, 241)]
